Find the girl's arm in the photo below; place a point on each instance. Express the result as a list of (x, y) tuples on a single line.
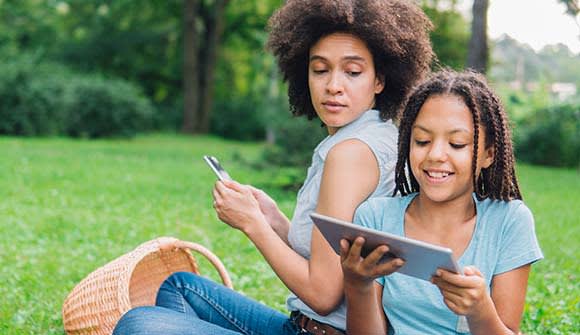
[(364, 306), (498, 313), (351, 174)]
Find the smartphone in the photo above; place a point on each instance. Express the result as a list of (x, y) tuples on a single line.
[(216, 167)]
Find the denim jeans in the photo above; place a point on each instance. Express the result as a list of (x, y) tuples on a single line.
[(190, 304)]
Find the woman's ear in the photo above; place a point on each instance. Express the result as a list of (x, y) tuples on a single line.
[(379, 84)]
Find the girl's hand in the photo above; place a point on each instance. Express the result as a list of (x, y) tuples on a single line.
[(360, 272), (463, 294), (235, 205)]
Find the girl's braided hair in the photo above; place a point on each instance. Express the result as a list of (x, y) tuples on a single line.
[(395, 31), (498, 181)]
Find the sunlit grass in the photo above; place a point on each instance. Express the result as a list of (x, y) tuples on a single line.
[(70, 206)]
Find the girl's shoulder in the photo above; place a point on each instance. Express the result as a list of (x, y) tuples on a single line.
[(385, 206), (505, 214)]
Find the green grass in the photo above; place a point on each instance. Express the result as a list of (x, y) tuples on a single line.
[(70, 206)]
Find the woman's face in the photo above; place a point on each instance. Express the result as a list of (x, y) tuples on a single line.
[(341, 79), (441, 149)]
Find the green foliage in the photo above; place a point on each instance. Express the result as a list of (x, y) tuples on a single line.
[(295, 140), (450, 35), (514, 61), (31, 97), (99, 107), (39, 98), (237, 118), (550, 136), (71, 206)]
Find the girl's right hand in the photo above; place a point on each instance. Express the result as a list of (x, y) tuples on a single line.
[(360, 272)]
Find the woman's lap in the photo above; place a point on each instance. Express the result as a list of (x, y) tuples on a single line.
[(190, 304)]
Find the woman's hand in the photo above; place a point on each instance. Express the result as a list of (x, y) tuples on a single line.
[(236, 205), (277, 220), (463, 294), (359, 273)]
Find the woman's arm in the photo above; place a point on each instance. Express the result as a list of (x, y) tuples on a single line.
[(351, 174), (498, 313)]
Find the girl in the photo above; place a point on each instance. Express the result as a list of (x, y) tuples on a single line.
[(351, 64), (455, 171)]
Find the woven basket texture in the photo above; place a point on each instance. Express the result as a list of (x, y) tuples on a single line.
[(96, 304)]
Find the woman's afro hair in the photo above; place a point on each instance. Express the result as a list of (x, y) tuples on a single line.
[(395, 31)]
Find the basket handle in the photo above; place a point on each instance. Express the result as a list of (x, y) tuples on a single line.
[(214, 260)]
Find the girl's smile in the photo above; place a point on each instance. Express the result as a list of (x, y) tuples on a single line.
[(441, 151)]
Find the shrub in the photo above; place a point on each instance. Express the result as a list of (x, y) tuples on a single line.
[(550, 136), (99, 107), (39, 98), (238, 118), (294, 141), (30, 98)]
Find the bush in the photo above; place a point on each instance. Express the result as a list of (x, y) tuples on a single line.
[(48, 99), (550, 136), (30, 98), (294, 141), (238, 118), (99, 107)]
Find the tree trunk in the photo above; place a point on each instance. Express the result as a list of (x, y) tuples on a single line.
[(477, 53), (190, 68), (214, 29)]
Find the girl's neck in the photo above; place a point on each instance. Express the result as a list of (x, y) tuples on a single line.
[(442, 216)]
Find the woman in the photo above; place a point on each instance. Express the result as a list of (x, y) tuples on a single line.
[(351, 64)]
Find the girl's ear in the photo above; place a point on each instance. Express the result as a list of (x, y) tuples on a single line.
[(488, 157)]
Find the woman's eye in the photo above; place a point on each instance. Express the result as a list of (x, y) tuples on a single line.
[(319, 71), (421, 143), (457, 145), (353, 73)]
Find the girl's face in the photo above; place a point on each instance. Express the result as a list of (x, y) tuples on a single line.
[(341, 79), (441, 149)]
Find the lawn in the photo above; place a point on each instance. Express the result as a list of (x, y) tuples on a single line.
[(69, 206)]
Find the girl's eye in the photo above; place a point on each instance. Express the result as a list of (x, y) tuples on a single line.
[(353, 73), (457, 145), (319, 71), (421, 143)]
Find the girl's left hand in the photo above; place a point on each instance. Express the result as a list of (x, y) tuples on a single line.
[(463, 294), (236, 206)]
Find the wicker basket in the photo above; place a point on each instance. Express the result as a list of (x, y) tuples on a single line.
[(96, 304)]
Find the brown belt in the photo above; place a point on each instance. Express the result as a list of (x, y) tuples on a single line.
[(311, 326)]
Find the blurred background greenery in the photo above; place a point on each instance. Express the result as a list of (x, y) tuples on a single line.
[(94, 68), (105, 73)]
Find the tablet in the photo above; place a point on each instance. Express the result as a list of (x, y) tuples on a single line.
[(421, 259)]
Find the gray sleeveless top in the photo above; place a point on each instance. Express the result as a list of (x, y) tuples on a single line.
[(381, 137)]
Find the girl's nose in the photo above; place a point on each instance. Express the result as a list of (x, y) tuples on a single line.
[(437, 151)]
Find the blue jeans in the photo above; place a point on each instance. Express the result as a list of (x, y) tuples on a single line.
[(190, 304)]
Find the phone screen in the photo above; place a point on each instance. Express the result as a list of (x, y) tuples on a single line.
[(216, 167)]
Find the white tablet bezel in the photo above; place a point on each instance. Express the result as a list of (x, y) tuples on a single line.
[(421, 259)]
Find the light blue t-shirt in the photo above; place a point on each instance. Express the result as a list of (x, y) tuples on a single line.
[(381, 137), (504, 239)]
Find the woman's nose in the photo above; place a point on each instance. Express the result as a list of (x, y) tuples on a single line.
[(334, 85)]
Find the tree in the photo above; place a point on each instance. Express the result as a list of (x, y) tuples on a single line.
[(478, 51), (200, 55)]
